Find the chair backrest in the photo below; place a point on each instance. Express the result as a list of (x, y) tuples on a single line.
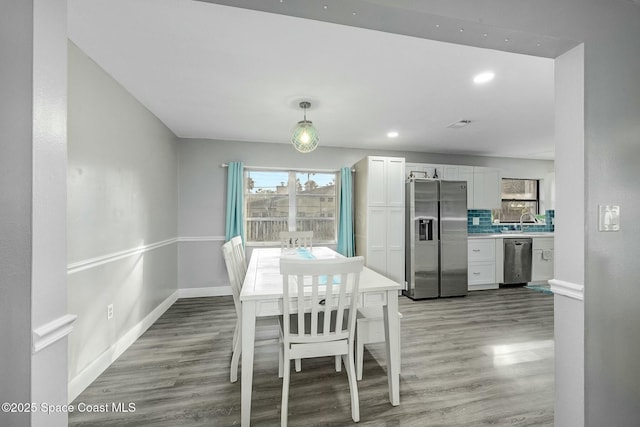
[(296, 239), (234, 272), (322, 289), (240, 256)]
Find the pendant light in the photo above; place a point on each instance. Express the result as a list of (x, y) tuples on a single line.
[(305, 136)]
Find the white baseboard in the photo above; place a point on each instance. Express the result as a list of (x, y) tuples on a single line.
[(102, 362), (210, 291)]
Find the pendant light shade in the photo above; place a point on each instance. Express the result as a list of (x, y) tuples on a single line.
[(305, 136)]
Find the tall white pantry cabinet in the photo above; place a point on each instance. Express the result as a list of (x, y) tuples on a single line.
[(379, 214)]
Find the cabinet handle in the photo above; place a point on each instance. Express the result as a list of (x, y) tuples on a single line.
[(476, 273), (475, 250)]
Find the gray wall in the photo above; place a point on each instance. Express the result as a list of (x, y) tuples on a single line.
[(122, 185), (202, 189), (16, 33), (32, 208)]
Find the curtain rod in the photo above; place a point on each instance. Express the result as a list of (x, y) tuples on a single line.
[(268, 168)]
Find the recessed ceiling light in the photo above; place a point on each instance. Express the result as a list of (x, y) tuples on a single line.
[(325, 7), (392, 134), (462, 30), (484, 77)]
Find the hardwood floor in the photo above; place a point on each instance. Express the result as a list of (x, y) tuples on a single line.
[(481, 360)]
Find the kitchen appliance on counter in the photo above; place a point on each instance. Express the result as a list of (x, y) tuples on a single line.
[(517, 260), (436, 238)]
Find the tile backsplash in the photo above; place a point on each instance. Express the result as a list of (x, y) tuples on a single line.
[(485, 225)]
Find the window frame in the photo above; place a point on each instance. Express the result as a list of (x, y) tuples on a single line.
[(536, 200), (292, 194)]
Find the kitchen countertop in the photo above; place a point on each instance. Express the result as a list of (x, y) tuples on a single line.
[(510, 235)]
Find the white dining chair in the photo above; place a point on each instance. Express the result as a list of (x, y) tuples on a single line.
[(319, 317), (240, 265), (236, 277), (369, 330), (296, 239), (239, 255)]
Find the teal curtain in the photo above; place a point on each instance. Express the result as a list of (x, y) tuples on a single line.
[(234, 219), (346, 244)]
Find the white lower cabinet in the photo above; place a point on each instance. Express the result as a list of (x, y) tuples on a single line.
[(481, 257), (542, 262)]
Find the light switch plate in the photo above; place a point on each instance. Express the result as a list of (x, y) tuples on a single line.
[(476, 221), (608, 218)]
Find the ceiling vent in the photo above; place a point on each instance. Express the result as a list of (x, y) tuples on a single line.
[(459, 124)]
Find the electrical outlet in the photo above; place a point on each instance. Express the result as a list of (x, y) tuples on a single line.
[(109, 311)]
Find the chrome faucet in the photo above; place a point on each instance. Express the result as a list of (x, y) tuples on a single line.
[(525, 214)]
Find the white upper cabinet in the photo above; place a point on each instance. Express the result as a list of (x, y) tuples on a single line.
[(461, 173), (385, 180), (487, 189), (550, 191), (395, 182), (377, 181), (483, 184)]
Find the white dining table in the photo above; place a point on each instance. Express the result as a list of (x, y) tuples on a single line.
[(261, 296)]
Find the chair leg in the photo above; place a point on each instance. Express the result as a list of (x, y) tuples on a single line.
[(235, 358), (235, 333), (298, 365), (353, 386), (284, 407), (359, 357), (338, 363), (280, 359)]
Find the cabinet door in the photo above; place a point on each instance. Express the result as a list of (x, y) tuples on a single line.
[(481, 250), (377, 182), (481, 273), (486, 188), (450, 173), (542, 265), (465, 173), (395, 244), (376, 253), (395, 182)]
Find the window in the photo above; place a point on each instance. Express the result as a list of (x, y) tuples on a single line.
[(276, 201), (519, 196)]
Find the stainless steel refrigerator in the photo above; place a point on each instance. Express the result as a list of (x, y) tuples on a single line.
[(436, 238)]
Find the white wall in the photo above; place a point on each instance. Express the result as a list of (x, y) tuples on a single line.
[(122, 216), (569, 242), (202, 194)]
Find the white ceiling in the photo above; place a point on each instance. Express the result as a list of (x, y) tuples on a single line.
[(226, 73)]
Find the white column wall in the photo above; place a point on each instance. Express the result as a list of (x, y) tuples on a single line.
[(569, 242)]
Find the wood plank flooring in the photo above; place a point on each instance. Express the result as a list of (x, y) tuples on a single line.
[(481, 360)]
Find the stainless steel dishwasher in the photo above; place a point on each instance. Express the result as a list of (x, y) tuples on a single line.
[(517, 260)]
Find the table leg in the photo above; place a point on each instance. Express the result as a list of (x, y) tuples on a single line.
[(248, 341), (391, 332)]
